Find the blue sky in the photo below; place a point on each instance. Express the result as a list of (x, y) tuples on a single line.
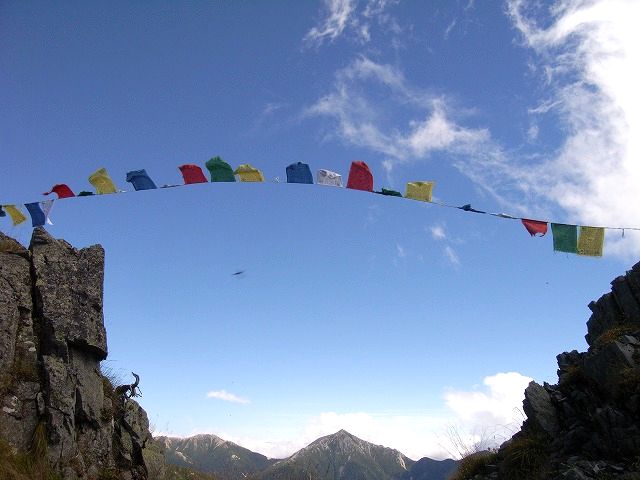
[(391, 318)]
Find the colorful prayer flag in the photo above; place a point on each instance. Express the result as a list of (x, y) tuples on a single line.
[(565, 238), (220, 170), (535, 226), (192, 174), (327, 177), (17, 217), (102, 182), (299, 173), (591, 241), (360, 177), (247, 173), (140, 180), (391, 193), (62, 190), (39, 212), (420, 191)]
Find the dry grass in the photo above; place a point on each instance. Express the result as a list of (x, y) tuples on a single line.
[(613, 334), (474, 464), (525, 457), (27, 466)]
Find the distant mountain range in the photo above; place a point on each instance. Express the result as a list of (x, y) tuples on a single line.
[(211, 454), (341, 456)]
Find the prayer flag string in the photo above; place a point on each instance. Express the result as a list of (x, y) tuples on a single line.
[(577, 239)]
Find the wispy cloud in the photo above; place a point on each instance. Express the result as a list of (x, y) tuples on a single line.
[(361, 120), (588, 57), (340, 17), (400, 251), (337, 16), (585, 55), (451, 255), (227, 397)]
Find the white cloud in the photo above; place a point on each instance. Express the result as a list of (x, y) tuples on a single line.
[(337, 18), (485, 417), (226, 396), (589, 56), (438, 232), (489, 415), (586, 58), (360, 119), (451, 255), (414, 435), (400, 251), (496, 404), (342, 16), (450, 27)]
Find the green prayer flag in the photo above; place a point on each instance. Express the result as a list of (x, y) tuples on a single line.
[(391, 193), (220, 170), (565, 237)]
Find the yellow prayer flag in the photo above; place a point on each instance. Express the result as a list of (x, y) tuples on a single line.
[(420, 191), (102, 182), (17, 217), (591, 241), (247, 173)]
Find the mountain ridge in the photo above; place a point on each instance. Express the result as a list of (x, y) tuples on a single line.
[(338, 456), (212, 454)]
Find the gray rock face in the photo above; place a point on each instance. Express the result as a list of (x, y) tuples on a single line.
[(18, 346), (537, 405), (588, 425), (68, 287), (52, 339)]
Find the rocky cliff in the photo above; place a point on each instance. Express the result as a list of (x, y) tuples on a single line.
[(55, 405), (587, 426)]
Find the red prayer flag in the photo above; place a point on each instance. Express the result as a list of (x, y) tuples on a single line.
[(62, 190), (192, 174), (360, 177), (535, 226)]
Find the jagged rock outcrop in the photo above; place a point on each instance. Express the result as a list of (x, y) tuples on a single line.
[(588, 425), (52, 339)]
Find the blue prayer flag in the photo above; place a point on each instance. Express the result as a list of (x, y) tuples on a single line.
[(140, 180), (299, 173), (38, 218)]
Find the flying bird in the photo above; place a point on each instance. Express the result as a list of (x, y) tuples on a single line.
[(239, 272)]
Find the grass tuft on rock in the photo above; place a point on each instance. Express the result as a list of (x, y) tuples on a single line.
[(474, 464)]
